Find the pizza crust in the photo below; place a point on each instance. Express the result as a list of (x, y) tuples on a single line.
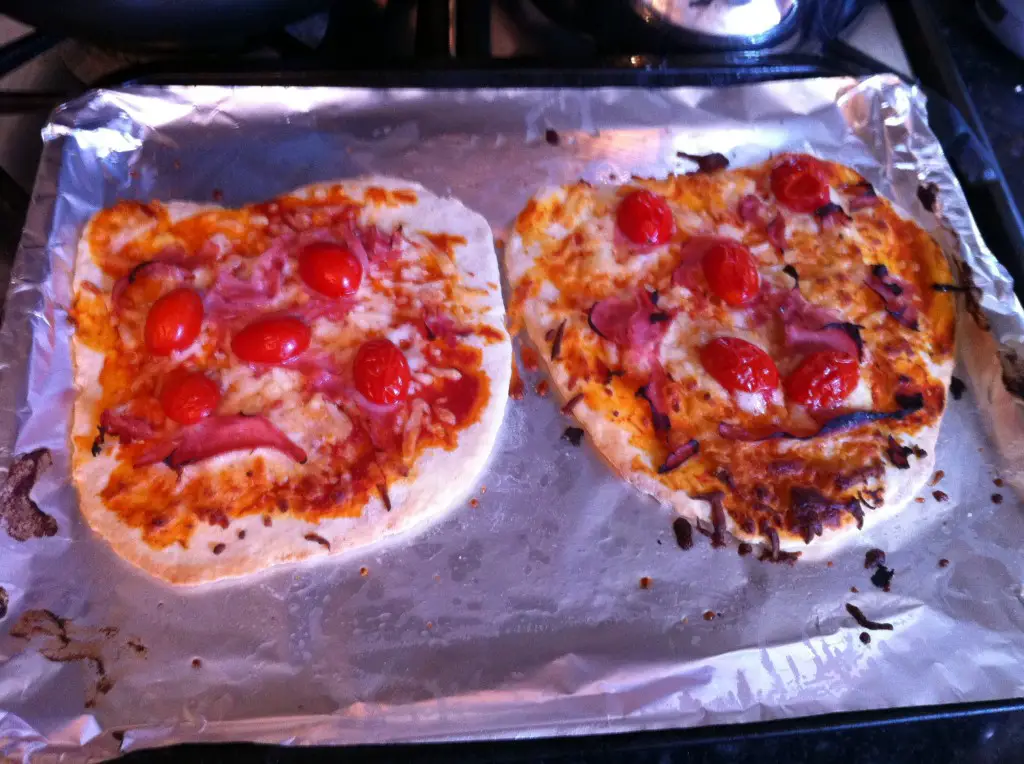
[(439, 481), (612, 442)]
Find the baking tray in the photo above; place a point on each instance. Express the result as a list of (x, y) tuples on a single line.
[(591, 650)]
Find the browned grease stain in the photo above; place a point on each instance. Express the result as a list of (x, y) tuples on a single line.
[(60, 640)]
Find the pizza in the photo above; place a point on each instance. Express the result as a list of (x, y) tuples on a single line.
[(766, 349), (285, 380)]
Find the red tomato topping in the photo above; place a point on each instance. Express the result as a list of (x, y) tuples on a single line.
[(823, 380), (275, 339), (330, 269), (731, 272), (739, 366), (645, 218), (798, 182), (381, 372), (174, 321), (188, 396)]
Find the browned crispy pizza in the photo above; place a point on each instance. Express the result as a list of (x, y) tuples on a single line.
[(761, 348)]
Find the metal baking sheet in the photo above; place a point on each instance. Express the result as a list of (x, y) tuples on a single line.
[(522, 616)]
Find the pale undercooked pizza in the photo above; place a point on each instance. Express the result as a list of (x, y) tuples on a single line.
[(763, 348), (288, 379)]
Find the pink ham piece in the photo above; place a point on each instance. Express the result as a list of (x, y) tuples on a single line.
[(808, 328), (126, 427), (679, 456), (217, 435), (155, 269), (753, 210), (634, 324), (860, 196), (233, 295), (776, 232), (896, 294)]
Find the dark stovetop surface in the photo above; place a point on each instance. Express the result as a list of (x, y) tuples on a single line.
[(995, 79)]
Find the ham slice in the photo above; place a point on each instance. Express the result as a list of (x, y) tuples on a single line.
[(860, 196), (217, 435), (809, 328), (896, 294), (634, 324), (126, 427), (753, 210)]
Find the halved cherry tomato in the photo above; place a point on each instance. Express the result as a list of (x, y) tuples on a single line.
[(798, 182), (731, 272), (174, 321), (330, 269), (381, 372), (823, 380), (188, 396), (274, 339), (739, 366), (645, 218)]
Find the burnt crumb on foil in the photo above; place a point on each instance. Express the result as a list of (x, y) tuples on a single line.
[(21, 517), (706, 163), (882, 577), (552, 137), (957, 388), (873, 557), (5, 599), (683, 532), (574, 435), (865, 622), (772, 551), (865, 638), (928, 194)]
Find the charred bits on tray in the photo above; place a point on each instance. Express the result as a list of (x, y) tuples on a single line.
[(997, 498), (574, 435), (864, 621), (684, 533), (957, 388), (646, 582)]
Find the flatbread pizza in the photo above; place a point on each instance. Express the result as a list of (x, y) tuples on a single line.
[(285, 380), (766, 349)]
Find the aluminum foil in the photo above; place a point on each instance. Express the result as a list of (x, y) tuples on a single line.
[(522, 616)]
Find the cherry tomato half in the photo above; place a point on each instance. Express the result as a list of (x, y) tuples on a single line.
[(174, 321), (798, 182), (330, 269), (739, 366), (274, 339), (381, 372), (188, 396), (823, 380), (731, 272), (645, 218)]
